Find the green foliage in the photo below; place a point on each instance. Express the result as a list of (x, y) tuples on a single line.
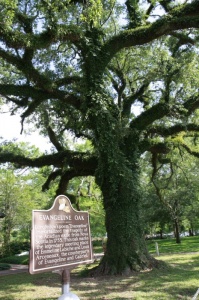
[(21, 260), (93, 12), (171, 199), (15, 247), (89, 198), (4, 266), (7, 12), (20, 194)]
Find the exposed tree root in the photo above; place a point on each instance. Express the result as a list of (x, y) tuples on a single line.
[(104, 268)]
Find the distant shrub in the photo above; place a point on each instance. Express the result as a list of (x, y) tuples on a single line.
[(4, 266), (97, 243), (19, 260), (14, 247), (18, 247)]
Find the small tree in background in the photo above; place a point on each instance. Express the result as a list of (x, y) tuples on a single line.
[(20, 194)]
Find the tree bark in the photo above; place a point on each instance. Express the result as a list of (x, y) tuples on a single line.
[(6, 236), (126, 250), (177, 232)]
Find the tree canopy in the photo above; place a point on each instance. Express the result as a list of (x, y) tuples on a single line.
[(83, 68)]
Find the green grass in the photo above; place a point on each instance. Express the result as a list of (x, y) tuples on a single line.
[(188, 244), (179, 280)]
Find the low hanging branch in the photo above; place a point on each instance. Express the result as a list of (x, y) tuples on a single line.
[(77, 160)]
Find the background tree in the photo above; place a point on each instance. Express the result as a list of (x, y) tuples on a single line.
[(20, 194), (72, 67), (154, 215), (176, 190), (87, 196)]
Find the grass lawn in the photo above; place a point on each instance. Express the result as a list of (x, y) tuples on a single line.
[(178, 280), (188, 244)]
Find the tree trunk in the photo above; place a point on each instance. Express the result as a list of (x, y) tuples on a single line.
[(191, 229), (6, 236), (191, 232), (126, 249), (177, 232), (118, 177)]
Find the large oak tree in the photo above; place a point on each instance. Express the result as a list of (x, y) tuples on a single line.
[(82, 67)]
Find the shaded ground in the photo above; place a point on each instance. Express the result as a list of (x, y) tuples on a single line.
[(178, 281), (15, 269)]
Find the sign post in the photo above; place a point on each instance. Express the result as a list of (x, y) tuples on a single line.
[(60, 240), (66, 295)]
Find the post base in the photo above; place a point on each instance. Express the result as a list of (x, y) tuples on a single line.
[(68, 296)]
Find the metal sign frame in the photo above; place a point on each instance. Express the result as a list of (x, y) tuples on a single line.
[(60, 238)]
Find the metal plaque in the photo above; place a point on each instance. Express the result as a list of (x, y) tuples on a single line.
[(60, 237)]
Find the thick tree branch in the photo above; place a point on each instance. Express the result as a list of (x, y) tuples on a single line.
[(27, 24), (182, 17), (146, 118), (155, 148), (76, 160), (51, 178), (54, 139), (160, 110), (168, 131), (67, 99), (128, 101), (183, 38), (22, 91), (67, 80), (65, 176), (192, 104), (36, 97), (118, 86), (26, 67), (68, 175), (20, 40), (25, 20), (51, 134), (165, 4), (133, 13), (189, 150)]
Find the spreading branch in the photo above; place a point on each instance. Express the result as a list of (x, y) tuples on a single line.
[(173, 130), (76, 160), (183, 17), (147, 117)]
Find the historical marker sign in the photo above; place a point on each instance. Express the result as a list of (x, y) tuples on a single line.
[(60, 237)]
